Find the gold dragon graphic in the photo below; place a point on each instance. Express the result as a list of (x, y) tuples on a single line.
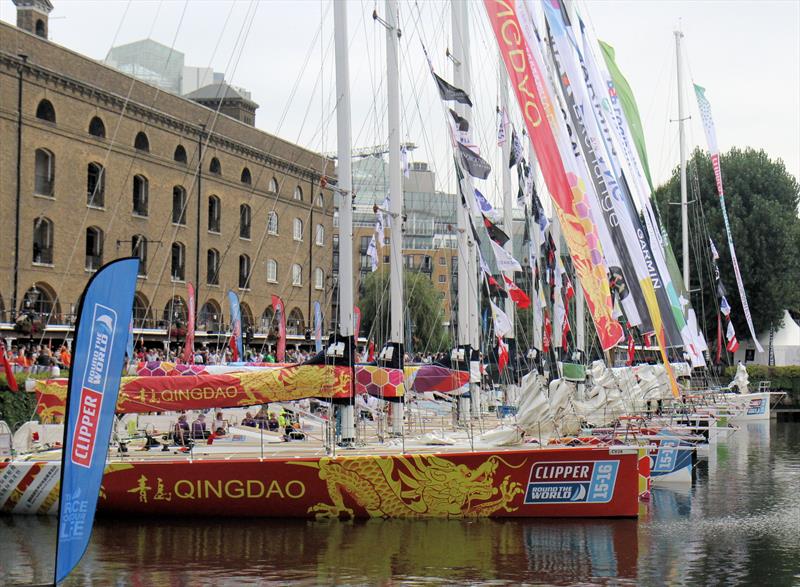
[(413, 486)]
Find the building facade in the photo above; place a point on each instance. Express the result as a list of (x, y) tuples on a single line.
[(96, 165)]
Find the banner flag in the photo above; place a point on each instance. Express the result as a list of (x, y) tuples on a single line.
[(486, 207), (566, 190), (99, 354), (502, 323), (519, 297), (711, 138), (7, 370), (505, 261), (451, 93), (495, 233), (317, 327), (236, 326), (280, 316), (188, 347), (473, 163), (502, 124), (372, 251), (516, 149)]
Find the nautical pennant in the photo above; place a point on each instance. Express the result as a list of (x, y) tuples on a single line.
[(451, 93), (520, 298), (473, 163), (516, 149), (486, 207), (505, 261), (502, 354), (502, 124), (495, 233), (502, 323)]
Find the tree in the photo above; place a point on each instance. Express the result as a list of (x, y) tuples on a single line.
[(422, 305), (762, 200)]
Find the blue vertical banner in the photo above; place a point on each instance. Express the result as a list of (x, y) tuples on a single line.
[(236, 325), (101, 335), (317, 327)]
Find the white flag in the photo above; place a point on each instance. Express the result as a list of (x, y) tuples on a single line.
[(404, 157), (505, 261), (379, 228), (502, 323), (372, 251), (502, 123)]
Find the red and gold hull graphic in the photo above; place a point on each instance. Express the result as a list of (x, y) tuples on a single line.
[(160, 393), (557, 482)]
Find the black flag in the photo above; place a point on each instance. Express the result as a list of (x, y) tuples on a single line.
[(473, 163), (462, 124), (516, 150), (448, 92), (495, 233)]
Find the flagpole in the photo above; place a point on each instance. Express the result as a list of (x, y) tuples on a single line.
[(508, 211), (682, 139), (395, 358)]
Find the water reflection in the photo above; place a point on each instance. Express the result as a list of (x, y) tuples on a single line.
[(739, 524)]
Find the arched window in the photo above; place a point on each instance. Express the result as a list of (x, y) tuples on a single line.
[(272, 271), (247, 319), (214, 214), (94, 248), (45, 173), (246, 177), (141, 311), (245, 217), (319, 239), (267, 319), (180, 154), (45, 111), (97, 128), (320, 201), (297, 275), (40, 28), (178, 262), (272, 223), (297, 229), (210, 316), (179, 205), (95, 185), (319, 279), (141, 142), (298, 194), (140, 195), (175, 312), (215, 167), (212, 267), (294, 323), (43, 241), (139, 249), (40, 300), (244, 271), (273, 186)]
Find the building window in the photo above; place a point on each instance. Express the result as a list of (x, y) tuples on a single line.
[(244, 221), (214, 214), (319, 279), (44, 176), (294, 323), (443, 261), (408, 261), (94, 248), (41, 30), (178, 262), (141, 142), (139, 249), (43, 241), (178, 205), (297, 230), (215, 167), (95, 185), (209, 316), (180, 154), (320, 236), (364, 247), (272, 223), (320, 201), (443, 279), (141, 313), (45, 111), (297, 275), (298, 194), (246, 177), (386, 259), (272, 271), (273, 186), (212, 267), (97, 128), (336, 219), (244, 271), (140, 195)]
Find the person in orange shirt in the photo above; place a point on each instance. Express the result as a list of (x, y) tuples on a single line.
[(65, 357)]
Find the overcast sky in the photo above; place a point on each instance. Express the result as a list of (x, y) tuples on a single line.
[(746, 54)]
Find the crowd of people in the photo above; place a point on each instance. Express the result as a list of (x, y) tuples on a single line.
[(38, 358)]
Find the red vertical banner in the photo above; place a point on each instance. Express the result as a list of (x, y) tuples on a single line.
[(188, 347), (9, 372), (567, 192), (280, 315)]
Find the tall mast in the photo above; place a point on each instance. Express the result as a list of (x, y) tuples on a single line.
[(508, 216), (395, 202), (344, 197), (682, 135)]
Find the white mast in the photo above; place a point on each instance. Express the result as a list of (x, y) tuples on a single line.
[(508, 213), (344, 197), (395, 197), (682, 135)]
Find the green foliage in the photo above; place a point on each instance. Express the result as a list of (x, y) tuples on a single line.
[(18, 407), (422, 304), (762, 200)]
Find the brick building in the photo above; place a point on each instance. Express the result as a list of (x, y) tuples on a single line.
[(96, 165)]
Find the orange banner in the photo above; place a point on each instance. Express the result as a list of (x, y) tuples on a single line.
[(191, 392), (566, 190)]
